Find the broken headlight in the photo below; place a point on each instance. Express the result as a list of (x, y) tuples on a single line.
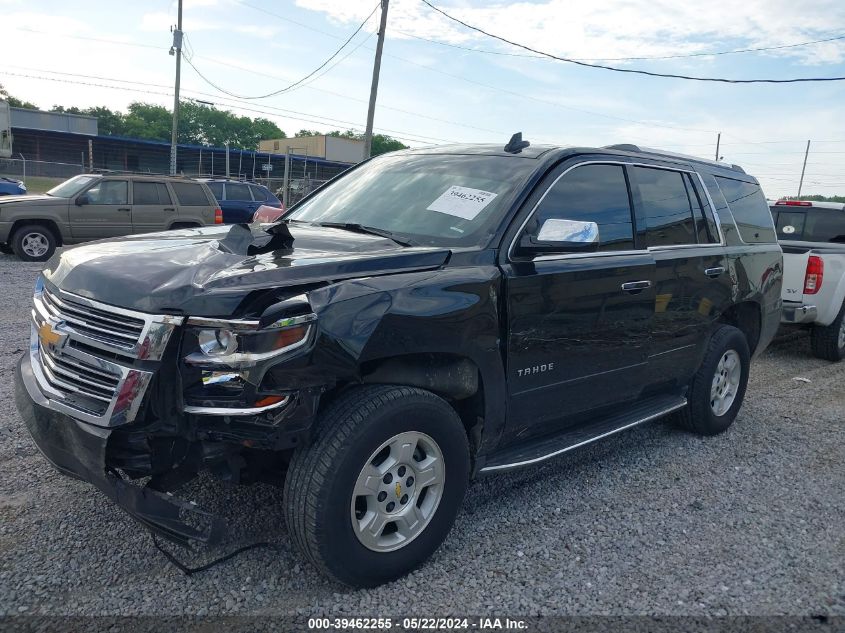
[(243, 343)]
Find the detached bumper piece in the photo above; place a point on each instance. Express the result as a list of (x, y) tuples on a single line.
[(797, 313), (78, 449)]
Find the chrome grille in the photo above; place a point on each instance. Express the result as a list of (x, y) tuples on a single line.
[(90, 360), (83, 385), (107, 327)]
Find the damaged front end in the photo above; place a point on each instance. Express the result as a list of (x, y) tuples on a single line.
[(110, 395)]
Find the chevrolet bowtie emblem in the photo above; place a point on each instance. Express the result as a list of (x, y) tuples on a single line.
[(398, 490), (50, 337)]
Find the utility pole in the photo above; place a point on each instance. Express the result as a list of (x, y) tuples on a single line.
[(286, 180), (227, 159), (718, 140), (803, 169), (371, 111), (176, 50)]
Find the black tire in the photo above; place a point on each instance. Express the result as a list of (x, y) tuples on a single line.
[(826, 341), (33, 231), (699, 416), (176, 226), (321, 479)]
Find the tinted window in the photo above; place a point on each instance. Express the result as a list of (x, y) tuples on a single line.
[(749, 208), (150, 193), (790, 225), (237, 192), (592, 193), (259, 193), (666, 206), (825, 225), (216, 189), (704, 222), (109, 192), (190, 194), (163, 194)]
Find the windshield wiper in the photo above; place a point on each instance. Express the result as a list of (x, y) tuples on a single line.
[(360, 228)]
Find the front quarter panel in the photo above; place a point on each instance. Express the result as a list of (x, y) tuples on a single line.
[(446, 311)]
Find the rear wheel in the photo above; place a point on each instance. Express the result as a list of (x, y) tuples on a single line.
[(718, 387), (828, 342), (377, 491), (34, 243)]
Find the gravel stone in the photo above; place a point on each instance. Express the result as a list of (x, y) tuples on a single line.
[(650, 521)]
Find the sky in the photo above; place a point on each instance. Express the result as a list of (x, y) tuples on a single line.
[(443, 83)]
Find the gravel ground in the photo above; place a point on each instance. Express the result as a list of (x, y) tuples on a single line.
[(652, 521)]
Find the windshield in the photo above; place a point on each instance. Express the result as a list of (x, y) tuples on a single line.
[(70, 188), (432, 199)]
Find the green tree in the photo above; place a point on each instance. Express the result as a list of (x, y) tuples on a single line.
[(14, 101), (383, 144)]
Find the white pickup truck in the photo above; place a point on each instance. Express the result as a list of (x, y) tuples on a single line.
[(812, 236)]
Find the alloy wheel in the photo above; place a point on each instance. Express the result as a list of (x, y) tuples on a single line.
[(397, 491), (725, 382), (35, 244)]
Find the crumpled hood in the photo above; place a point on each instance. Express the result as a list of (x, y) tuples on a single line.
[(208, 271)]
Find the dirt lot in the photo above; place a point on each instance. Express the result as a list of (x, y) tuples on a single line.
[(653, 521)]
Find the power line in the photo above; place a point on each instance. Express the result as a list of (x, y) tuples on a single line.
[(520, 95), (294, 84), (88, 38), (630, 70), (291, 114), (624, 59)]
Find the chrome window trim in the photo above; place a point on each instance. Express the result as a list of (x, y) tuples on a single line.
[(512, 259)]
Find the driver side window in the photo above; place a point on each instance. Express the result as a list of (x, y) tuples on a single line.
[(109, 192), (591, 193)]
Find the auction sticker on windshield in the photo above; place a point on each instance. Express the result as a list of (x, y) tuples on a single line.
[(462, 202)]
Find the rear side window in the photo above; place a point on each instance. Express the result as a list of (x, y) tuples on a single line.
[(748, 206), (704, 222), (216, 189), (790, 225), (190, 194), (259, 193), (236, 191), (825, 225), (150, 193), (666, 206), (592, 193)]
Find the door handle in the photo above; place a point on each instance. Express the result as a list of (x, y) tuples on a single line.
[(123, 209), (634, 287), (715, 271), (171, 209)]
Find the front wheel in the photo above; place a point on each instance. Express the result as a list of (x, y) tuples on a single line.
[(377, 491), (716, 392), (34, 243)]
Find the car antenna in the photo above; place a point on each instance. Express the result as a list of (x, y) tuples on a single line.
[(516, 144)]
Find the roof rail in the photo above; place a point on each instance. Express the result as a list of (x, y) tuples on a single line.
[(630, 147)]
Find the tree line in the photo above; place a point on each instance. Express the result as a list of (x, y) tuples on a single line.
[(199, 124)]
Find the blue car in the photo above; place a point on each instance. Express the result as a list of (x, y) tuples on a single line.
[(10, 187), (239, 200)]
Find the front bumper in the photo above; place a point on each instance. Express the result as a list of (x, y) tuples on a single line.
[(78, 449), (798, 313)]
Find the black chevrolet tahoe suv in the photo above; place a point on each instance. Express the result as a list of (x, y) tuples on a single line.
[(427, 317)]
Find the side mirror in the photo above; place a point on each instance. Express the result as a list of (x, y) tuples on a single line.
[(562, 236), (83, 199)]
